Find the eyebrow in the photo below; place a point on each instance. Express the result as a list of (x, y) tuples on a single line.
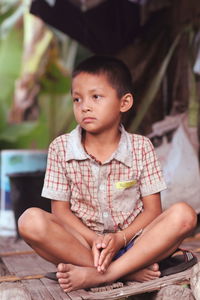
[(74, 92), (90, 91), (96, 90)]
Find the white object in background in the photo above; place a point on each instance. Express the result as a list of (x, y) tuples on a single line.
[(181, 172), (51, 2), (7, 223)]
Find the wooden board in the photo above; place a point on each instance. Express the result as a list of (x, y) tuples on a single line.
[(32, 264), (13, 291), (140, 288)]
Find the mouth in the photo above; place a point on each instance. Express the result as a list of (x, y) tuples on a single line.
[(88, 119)]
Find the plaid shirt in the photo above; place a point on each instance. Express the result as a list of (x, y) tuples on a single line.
[(106, 197)]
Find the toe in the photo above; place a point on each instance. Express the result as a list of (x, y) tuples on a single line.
[(64, 281), (67, 290), (151, 276), (154, 274), (63, 267), (66, 287), (154, 267), (62, 275)]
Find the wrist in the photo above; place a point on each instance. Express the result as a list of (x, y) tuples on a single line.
[(95, 236), (91, 238), (123, 238)]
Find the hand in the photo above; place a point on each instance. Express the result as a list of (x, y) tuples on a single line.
[(97, 246), (105, 247)]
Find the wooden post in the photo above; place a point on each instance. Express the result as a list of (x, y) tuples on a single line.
[(175, 292), (195, 281)]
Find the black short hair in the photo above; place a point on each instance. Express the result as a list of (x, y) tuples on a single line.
[(116, 71)]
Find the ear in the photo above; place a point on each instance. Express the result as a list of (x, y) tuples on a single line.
[(126, 102)]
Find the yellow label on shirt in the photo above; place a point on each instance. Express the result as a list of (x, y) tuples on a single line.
[(125, 184)]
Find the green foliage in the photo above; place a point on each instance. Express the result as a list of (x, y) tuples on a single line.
[(12, 133), (10, 63), (54, 81), (27, 134), (55, 104)]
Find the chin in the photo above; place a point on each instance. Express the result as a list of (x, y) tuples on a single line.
[(90, 128)]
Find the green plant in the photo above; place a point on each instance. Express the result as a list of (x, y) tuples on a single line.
[(47, 66)]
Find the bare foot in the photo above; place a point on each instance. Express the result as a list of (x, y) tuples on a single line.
[(71, 277), (152, 272)]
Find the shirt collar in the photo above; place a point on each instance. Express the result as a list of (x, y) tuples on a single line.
[(124, 150), (75, 149)]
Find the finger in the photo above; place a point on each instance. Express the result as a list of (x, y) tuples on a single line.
[(103, 267), (106, 240), (96, 255), (99, 241), (104, 253)]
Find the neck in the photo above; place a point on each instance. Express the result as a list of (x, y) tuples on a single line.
[(101, 145)]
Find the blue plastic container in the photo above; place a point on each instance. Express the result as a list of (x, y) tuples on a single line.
[(16, 161)]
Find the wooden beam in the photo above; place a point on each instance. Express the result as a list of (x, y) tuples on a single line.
[(11, 278), (4, 254)]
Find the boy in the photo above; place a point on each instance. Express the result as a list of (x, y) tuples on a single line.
[(105, 184)]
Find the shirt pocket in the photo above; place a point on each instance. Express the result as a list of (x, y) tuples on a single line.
[(125, 195)]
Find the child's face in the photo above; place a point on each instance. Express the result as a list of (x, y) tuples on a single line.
[(96, 104)]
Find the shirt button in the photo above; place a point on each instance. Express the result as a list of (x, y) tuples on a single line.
[(105, 214), (102, 188)]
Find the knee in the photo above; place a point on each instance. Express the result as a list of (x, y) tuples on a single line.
[(184, 216), (31, 224)]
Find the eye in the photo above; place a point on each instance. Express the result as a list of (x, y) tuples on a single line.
[(96, 97), (76, 100)]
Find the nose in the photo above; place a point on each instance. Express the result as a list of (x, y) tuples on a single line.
[(86, 106)]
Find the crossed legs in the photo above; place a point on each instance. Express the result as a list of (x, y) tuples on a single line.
[(51, 240)]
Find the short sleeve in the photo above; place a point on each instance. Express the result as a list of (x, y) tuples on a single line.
[(151, 180), (56, 185)]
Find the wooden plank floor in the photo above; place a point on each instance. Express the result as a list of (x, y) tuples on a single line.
[(43, 288)]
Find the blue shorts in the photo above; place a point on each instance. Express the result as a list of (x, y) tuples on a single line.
[(123, 250), (128, 246)]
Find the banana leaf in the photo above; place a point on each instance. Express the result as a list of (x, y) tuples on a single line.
[(10, 61), (54, 81), (12, 133), (6, 5), (9, 22), (28, 135), (23, 135), (7, 8), (55, 113), (37, 39)]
